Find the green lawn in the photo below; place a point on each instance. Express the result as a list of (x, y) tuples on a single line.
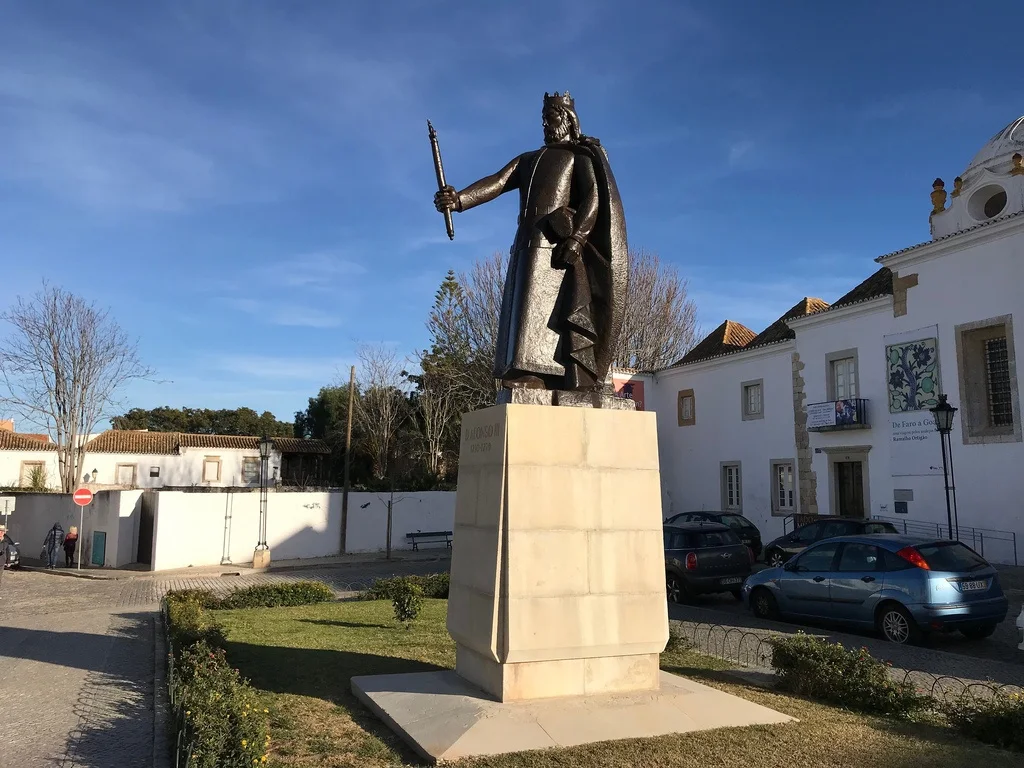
[(302, 659)]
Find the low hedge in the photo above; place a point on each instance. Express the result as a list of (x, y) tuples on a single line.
[(258, 596), (216, 710), (810, 666), (434, 585), (998, 721), (219, 713)]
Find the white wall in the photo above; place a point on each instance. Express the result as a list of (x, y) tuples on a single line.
[(195, 529), (691, 456), (115, 513), (10, 467), (175, 470)]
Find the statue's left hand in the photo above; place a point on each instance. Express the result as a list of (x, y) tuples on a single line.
[(569, 252)]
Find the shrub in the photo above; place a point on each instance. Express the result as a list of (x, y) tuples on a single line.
[(998, 721), (434, 585), (223, 723), (276, 595), (189, 623), (204, 597), (407, 601), (810, 666)]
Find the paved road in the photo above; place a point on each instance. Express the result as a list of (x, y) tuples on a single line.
[(993, 659), (77, 660)]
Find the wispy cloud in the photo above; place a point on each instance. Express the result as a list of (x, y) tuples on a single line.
[(322, 270), (293, 315), (738, 150), (313, 369)]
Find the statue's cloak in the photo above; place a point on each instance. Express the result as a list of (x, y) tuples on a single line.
[(596, 286)]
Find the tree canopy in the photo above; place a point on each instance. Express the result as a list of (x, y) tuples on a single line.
[(204, 421)]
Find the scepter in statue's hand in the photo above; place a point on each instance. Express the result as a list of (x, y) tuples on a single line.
[(447, 199)]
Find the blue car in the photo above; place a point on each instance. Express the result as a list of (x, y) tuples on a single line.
[(903, 586)]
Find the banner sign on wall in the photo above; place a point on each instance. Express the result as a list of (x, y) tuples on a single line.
[(631, 390), (913, 385)]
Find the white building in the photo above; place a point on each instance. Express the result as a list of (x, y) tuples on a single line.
[(827, 411), (127, 459)]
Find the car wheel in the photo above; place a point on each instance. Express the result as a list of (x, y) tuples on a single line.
[(978, 633), (898, 626), (763, 604), (775, 559), (674, 589)]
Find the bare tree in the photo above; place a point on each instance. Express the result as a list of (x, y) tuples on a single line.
[(62, 366), (660, 321), (383, 407)]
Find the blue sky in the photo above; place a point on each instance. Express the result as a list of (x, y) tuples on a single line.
[(247, 185)]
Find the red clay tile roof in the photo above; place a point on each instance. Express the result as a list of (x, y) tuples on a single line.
[(13, 441), (300, 445), (879, 284), (730, 336), (134, 441), (243, 442), (162, 443), (779, 331)]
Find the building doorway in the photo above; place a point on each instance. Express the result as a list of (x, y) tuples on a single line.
[(849, 488)]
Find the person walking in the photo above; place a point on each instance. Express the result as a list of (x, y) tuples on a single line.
[(4, 546), (52, 543), (70, 542)]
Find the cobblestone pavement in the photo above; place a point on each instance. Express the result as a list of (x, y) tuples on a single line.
[(77, 660)]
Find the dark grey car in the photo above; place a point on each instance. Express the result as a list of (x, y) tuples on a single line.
[(779, 551), (704, 558)]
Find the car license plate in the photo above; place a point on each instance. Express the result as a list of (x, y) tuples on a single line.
[(732, 580), (973, 586)]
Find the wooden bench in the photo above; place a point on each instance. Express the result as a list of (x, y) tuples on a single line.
[(419, 536)]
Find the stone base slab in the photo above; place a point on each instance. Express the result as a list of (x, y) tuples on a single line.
[(562, 677), (443, 717), (564, 398)]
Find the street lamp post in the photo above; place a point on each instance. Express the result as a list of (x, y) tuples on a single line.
[(261, 557), (943, 413)]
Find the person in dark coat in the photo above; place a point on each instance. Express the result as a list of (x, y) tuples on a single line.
[(70, 542), (52, 544), (4, 546)]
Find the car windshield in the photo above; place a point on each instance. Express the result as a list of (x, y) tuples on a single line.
[(737, 522), (880, 528), (717, 539), (951, 556)]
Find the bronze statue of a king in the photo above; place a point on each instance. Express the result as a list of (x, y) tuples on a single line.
[(565, 290)]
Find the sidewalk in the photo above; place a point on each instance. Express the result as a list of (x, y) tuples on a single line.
[(140, 571)]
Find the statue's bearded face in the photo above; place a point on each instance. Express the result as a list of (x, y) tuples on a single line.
[(557, 124)]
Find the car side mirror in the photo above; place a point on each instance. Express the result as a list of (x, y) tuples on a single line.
[(789, 566)]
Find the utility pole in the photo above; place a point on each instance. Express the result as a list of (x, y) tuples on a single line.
[(348, 460)]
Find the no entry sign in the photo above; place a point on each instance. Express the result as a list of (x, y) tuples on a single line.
[(82, 497)]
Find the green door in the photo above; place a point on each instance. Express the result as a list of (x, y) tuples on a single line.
[(99, 547)]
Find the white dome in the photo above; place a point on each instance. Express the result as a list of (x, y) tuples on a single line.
[(999, 148)]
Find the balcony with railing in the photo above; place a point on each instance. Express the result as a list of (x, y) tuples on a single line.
[(837, 415)]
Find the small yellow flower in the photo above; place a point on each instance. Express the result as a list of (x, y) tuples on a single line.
[(266, 711), (263, 759), (188, 711), (245, 743)]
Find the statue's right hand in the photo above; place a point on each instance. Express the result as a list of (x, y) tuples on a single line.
[(447, 200)]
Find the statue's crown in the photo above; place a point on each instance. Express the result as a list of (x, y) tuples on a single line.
[(559, 100)]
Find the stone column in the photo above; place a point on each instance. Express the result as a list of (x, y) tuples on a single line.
[(807, 479)]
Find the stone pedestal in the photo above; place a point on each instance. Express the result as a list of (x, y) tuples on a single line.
[(557, 575), (261, 558)]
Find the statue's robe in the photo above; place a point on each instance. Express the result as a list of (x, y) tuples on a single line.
[(560, 322)]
